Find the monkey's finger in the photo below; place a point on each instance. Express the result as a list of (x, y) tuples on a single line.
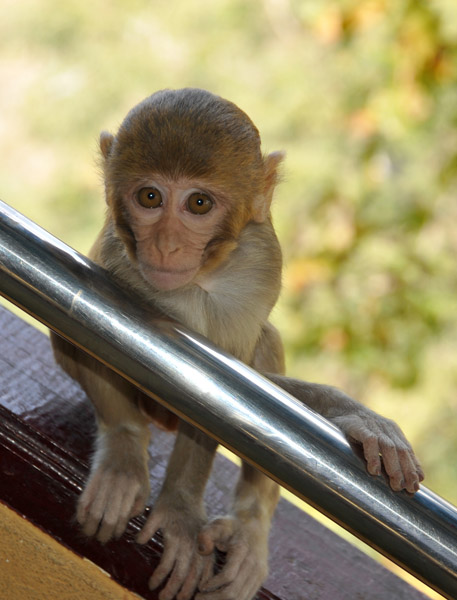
[(230, 572), (182, 560), (208, 570), (99, 495), (86, 499), (243, 587), (366, 435), (199, 565), (215, 534), (138, 507), (392, 464), (205, 544), (152, 525), (114, 517), (408, 459), (411, 472), (117, 508), (250, 587), (370, 444), (409, 464), (127, 511), (163, 569), (420, 472), (400, 463)]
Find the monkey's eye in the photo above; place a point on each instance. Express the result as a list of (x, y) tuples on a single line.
[(149, 197), (199, 204)]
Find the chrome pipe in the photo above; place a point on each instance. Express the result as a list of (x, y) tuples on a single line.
[(226, 399)]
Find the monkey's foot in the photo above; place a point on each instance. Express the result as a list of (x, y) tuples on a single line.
[(181, 561), (109, 500), (246, 567)]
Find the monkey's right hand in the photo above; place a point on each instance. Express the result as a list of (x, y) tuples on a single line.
[(180, 522), (117, 489)]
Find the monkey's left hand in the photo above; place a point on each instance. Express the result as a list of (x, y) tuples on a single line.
[(380, 437), (246, 544), (181, 561), (383, 438)]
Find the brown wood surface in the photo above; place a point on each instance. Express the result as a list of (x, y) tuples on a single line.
[(46, 432)]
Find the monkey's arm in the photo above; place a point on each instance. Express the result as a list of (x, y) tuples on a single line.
[(179, 512), (379, 436), (243, 536), (118, 484)]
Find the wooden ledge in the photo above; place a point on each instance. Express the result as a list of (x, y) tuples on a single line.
[(46, 432)]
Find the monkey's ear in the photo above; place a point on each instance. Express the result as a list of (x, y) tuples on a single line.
[(106, 141), (263, 203)]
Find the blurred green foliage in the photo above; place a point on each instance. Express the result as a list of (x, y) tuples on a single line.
[(360, 93)]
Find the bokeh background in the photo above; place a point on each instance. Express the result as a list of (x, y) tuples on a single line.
[(360, 93)]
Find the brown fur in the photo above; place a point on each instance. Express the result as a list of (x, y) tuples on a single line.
[(230, 279)]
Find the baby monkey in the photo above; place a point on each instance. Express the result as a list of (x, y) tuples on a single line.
[(188, 227)]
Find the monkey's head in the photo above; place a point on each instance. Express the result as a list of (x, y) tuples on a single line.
[(183, 177)]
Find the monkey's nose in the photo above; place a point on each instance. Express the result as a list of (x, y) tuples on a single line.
[(167, 245)]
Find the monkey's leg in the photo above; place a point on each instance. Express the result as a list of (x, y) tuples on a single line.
[(244, 537), (180, 513), (118, 484)]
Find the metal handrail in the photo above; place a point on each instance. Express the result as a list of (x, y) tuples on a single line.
[(226, 399)]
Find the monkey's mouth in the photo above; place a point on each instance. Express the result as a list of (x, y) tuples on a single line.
[(168, 279)]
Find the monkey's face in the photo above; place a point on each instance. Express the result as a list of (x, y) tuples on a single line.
[(172, 223), (183, 177)]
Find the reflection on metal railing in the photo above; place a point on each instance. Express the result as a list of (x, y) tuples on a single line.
[(226, 399)]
